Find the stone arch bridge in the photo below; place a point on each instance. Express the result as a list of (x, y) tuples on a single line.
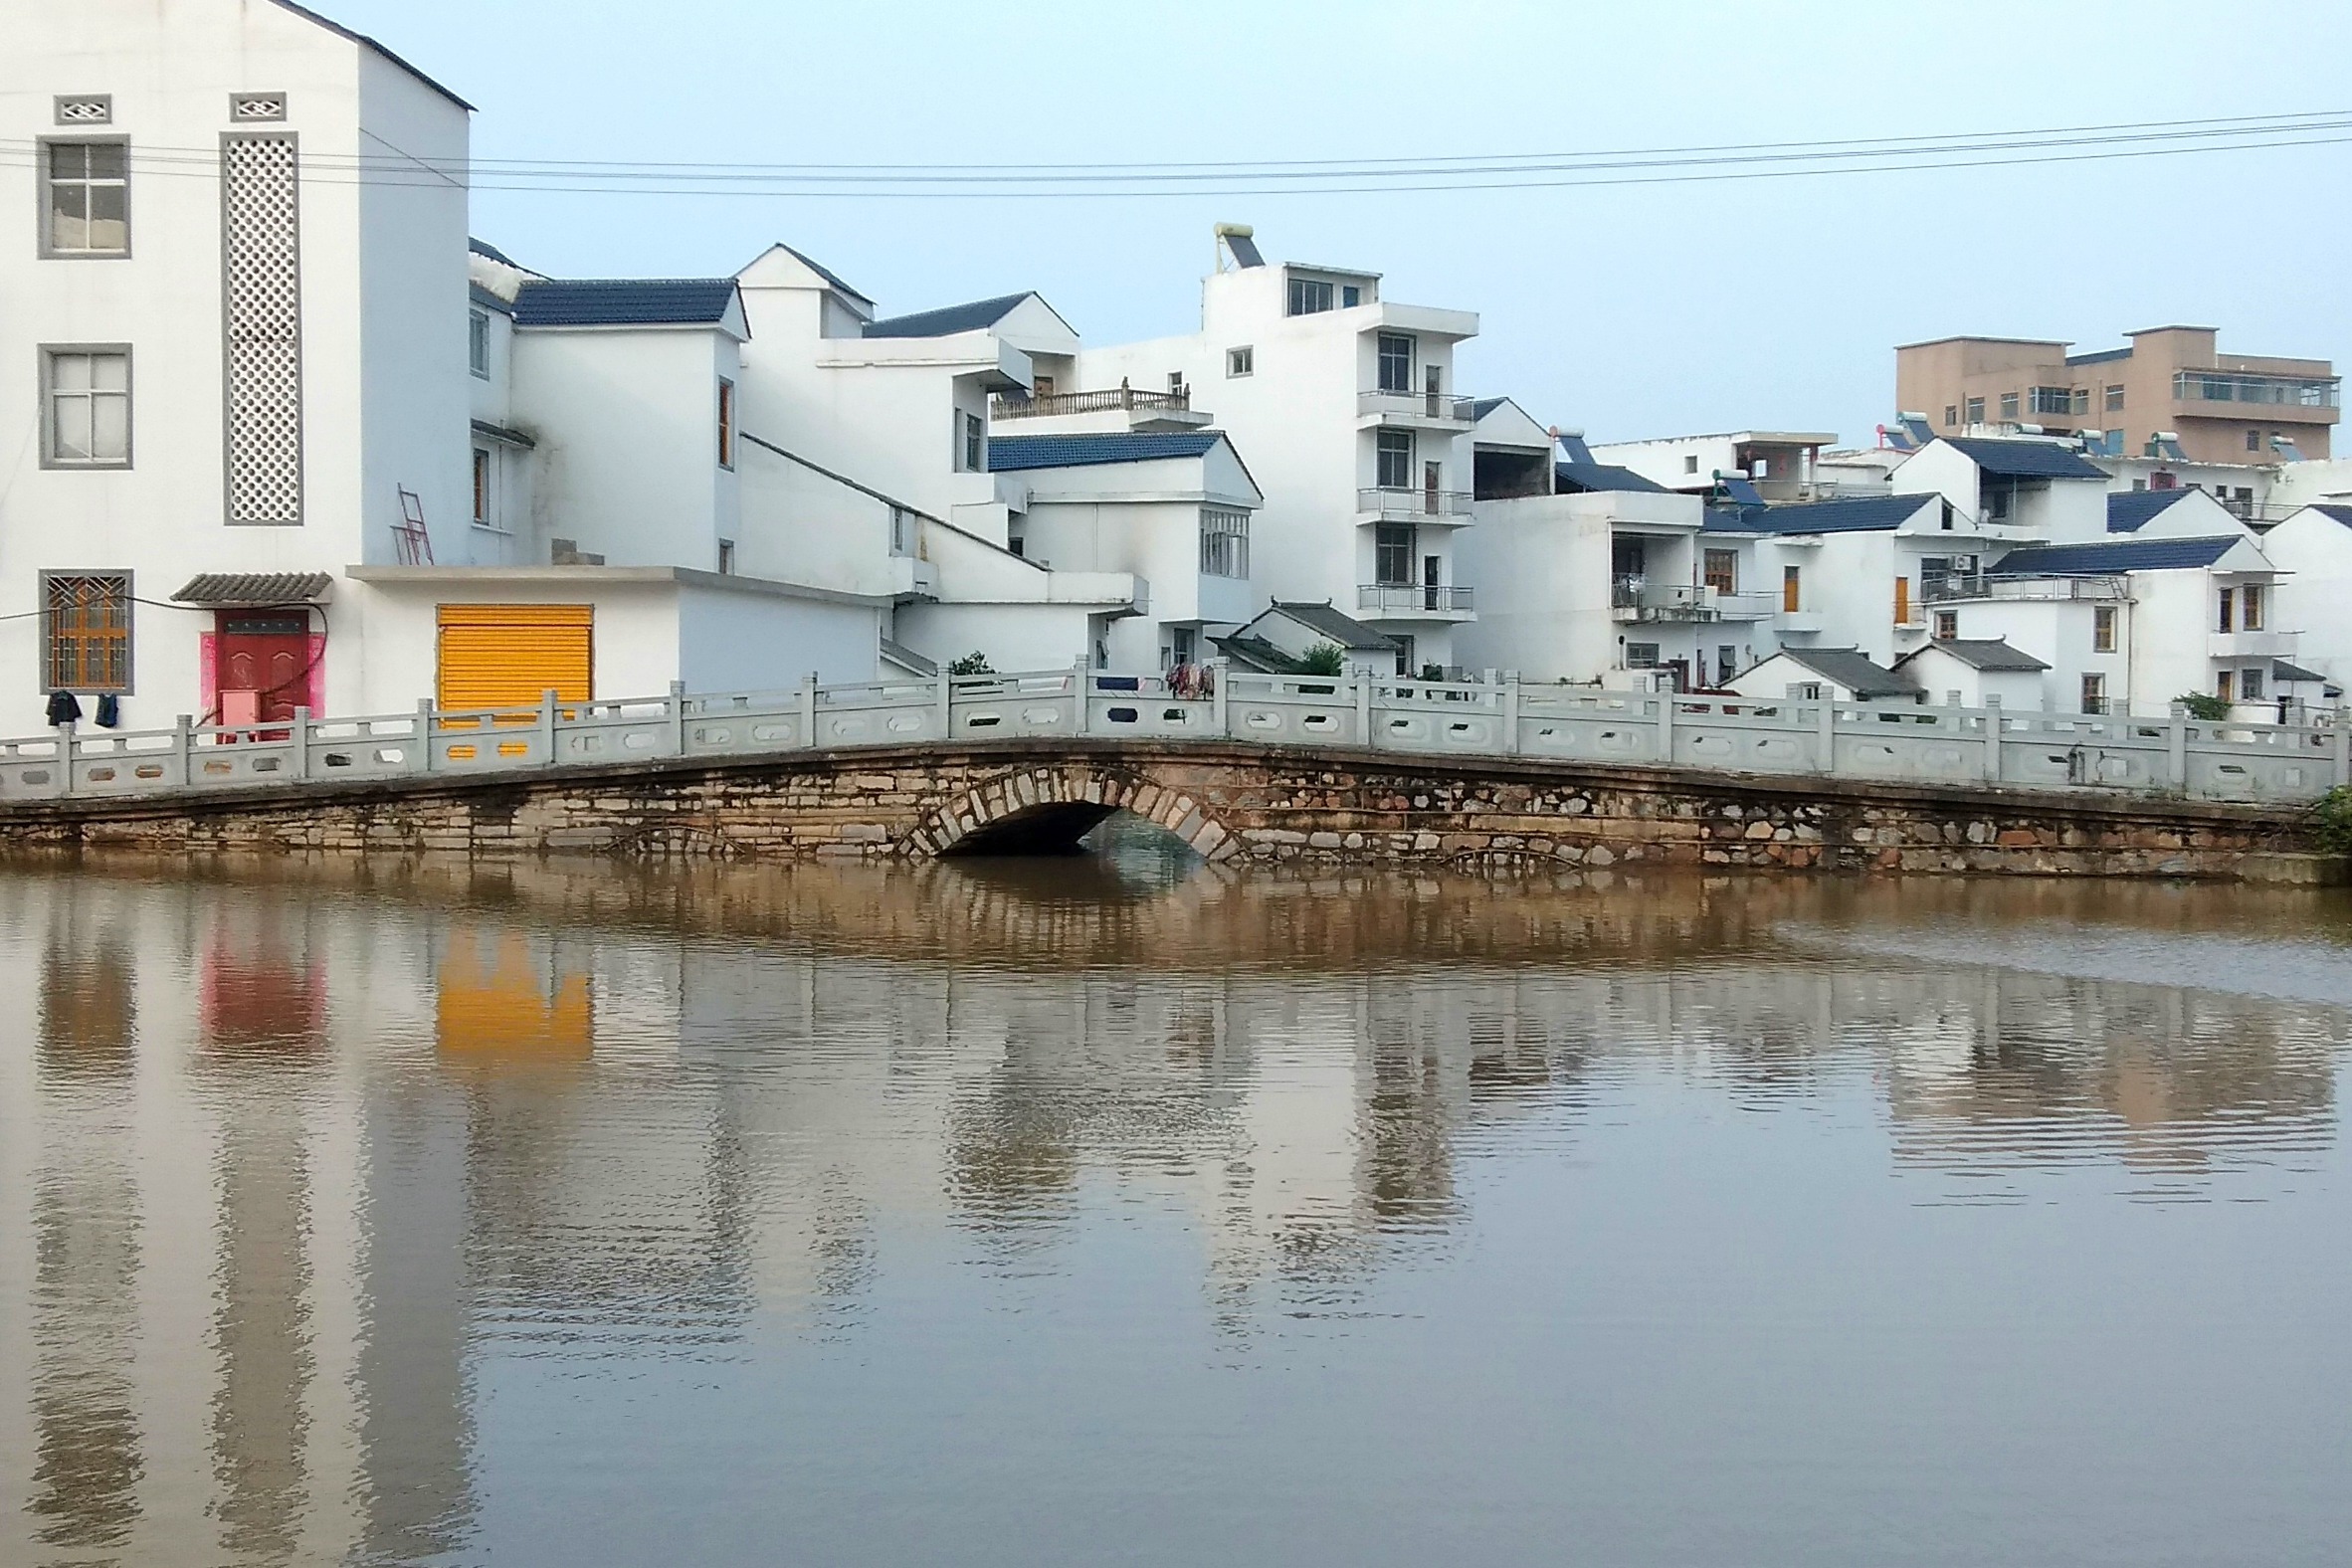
[(1235, 803)]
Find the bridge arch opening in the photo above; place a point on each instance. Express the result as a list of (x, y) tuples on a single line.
[(1048, 812)]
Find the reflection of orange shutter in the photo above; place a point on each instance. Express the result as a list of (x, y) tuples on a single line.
[(505, 1006), (513, 654)]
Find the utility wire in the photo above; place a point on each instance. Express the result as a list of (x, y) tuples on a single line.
[(1496, 172)]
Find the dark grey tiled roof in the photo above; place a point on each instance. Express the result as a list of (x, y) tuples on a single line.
[(2106, 356), (361, 39), (1852, 670), (2026, 459), (947, 320), (1345, 629), (2342, 515), (2114, 556), (255, 589), (484, 248), (1577, 479), (1992, 653), (1256, 653), (624, 301), (1854, 515), (827, 274), (2280, 670), (908, 659), (1014, 453), (2128, 511)]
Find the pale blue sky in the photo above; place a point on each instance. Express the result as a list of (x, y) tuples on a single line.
[(1646, 310)]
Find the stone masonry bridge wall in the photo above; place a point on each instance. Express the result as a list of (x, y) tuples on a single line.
[(1236, 804)]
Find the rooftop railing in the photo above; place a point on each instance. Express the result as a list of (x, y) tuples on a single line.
[(2273, 391), (1967, 585), (1128, 398)]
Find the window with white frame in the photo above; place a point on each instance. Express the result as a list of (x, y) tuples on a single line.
[(1241, 361), (85, 198), (2095, 693), (2102, 628), (1641, 656), (1396, 362), (2114, 399), (2249, 685), (478, 343), (727, 422), (902, 531), (86, 408), (1947, 624), (1225, 542), (1309, 297), (483, 484), (1393, 459), (974, 443), (2252, 602), (1976, 411)]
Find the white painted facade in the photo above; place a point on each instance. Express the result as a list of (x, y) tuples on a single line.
[(1949, 680), (1780, 463), (2312, 549), (1368, 473), (382, 320)]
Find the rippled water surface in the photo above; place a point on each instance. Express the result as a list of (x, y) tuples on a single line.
[(1107, 1211)]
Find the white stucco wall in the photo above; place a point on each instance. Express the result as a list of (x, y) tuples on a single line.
[(2315, 597), (384, 345)]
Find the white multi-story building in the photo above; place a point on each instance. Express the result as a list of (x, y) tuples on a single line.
[(289, 446), (1344, 405)]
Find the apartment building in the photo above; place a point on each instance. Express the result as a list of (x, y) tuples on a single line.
[(2170, 393), (1344, 404), (1766, 464)]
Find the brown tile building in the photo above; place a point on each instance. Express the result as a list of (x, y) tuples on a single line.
[(2225, 408)]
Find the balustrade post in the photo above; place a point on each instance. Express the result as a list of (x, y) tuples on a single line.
[(2343, 747), (1219, 668), (2176, 766), (1510, 713), (1992, 739), (946, 705), (808, 709), (678, 719), (547, 702), (183, 747), (1082, 679), (424, 758), (1364, 709), (301, 743), (1824, 753), (1665, 726)]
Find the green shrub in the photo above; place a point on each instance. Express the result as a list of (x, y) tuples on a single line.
[(971, 665), (2204, 706), (2334, 812), (1324, 658)]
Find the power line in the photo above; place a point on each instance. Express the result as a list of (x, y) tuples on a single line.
[(1495, 172)]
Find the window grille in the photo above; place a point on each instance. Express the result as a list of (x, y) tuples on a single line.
[(85, 625), (262, 320), (89, 108), (249, 108), (1225, 542)]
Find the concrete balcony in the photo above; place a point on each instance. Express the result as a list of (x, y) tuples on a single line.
[(2249, 645), (1415, 602), (1634, 600), (1797, 623), (1095, 412), (1414, 506), (913, 579), (1446, 410)]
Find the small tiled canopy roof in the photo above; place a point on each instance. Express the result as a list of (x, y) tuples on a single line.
[(255, 589)]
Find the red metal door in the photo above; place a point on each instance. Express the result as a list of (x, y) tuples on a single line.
[(266, 654)]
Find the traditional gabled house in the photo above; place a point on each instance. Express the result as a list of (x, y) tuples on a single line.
[(1836, 675)]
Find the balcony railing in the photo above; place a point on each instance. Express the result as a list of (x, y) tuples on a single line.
[(2268, 391), (1415, 598), (1637, 599), (1127, 398), (1964, 585), (1393, 503), (1446, 406)]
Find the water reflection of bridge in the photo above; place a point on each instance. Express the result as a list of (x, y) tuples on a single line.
[(295, 1157)]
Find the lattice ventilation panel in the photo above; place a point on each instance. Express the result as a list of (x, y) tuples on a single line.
[(263, 317)]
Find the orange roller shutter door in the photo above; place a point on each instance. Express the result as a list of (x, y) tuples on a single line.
[(513, 654)]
